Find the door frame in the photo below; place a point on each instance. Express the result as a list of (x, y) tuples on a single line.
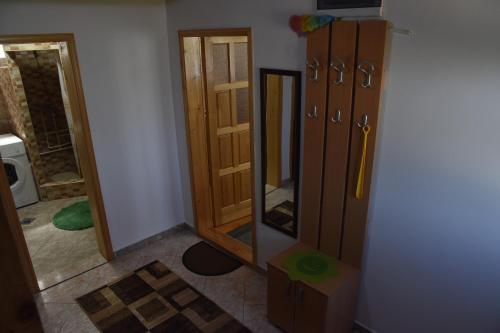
[(85, 149), (202, 229)]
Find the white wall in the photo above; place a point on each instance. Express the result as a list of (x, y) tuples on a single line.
[(124, 60), (274, 46), (432, 261)]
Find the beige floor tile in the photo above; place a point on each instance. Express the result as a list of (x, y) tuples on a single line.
[(241, 293), (256, 289), (254, 317), (57, 254)]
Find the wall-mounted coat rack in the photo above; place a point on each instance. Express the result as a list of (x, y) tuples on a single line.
[(346, 60)]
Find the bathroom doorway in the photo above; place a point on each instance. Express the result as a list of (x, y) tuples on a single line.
[(217, 76), (47, 155)]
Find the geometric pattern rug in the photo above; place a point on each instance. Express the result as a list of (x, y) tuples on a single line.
[(154, 299), (281, 216)]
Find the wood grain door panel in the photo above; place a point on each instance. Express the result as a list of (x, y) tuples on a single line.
[(342, 55), (310, 309), (314, 137), (228, 126), (280, 299), (372, 41), (17, 306)]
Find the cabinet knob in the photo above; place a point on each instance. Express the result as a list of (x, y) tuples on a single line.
[(289, 287)]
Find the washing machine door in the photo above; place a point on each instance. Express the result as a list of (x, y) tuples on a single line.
[(16, 173)]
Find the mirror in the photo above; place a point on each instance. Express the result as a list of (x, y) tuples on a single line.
[(280, 105)]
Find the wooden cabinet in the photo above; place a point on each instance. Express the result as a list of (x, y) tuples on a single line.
[(302, 307)]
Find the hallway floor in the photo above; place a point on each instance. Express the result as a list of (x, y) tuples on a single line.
[(241, 293), (56, 254)]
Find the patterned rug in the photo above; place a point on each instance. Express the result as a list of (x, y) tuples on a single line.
[(281, 216), (154, 299)]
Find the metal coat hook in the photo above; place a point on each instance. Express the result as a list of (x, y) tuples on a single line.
[(337, 118), (363, 122), (407, 32), (314, 65), (368, 69), (341, 68), (314, 113)]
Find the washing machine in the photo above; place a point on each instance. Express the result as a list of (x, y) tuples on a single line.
[(18, 170)]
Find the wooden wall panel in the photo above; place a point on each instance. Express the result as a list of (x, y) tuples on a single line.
[(371, 47), (18, 311), (274, 114), (245, 185), (195, 118), (227, 190), (342, 51), (314, 132), (226, 151), (224, 109), (244, 151)]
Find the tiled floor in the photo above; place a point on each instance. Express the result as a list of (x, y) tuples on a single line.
[(57, 254), (275, 196), (241, 293)]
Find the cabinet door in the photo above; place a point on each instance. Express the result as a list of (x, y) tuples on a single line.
[(314, 135), (280, 299), (338, 125), (372, 42), (310, 310)]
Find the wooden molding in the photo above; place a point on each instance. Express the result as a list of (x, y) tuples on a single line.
[(82, 136), (198, 145)]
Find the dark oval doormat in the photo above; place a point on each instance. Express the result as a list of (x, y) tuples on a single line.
[(204, 259)]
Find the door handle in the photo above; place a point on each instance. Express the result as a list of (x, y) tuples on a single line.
[(313, 114), (288, 292), (368, 69), (314, 65), (340, 67), (300, 295), (337, 117)]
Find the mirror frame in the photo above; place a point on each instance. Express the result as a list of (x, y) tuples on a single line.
[(297, 75)]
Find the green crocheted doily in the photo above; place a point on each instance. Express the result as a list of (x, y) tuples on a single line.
[(310, 266)]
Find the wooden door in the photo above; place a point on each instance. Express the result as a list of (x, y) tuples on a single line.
[(338, 124), (372, 43), (229, 127), (194, 99), (314, 135), (274, 112), (310, 310), (280, 299), (18, 312)]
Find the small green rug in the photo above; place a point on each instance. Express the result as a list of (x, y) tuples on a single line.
[(310, 266), (74, 217)]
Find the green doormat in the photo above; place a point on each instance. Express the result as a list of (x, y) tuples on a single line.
[(310, 266), (74, 217)]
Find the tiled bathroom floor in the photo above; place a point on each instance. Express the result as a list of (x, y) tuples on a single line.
[(57, 254), (241, 293)]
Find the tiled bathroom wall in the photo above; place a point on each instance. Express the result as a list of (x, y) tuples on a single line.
[(31, 91), (40, 78), (5, 126), (12, 90)]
